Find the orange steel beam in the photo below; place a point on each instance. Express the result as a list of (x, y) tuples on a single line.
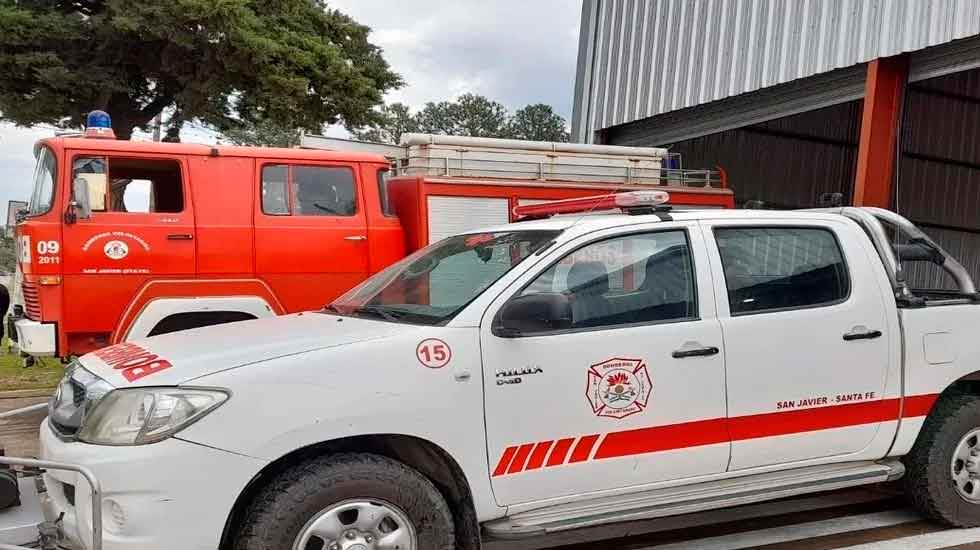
[(880, 121)]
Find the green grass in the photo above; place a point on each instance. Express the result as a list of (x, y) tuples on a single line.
[(45, 373)]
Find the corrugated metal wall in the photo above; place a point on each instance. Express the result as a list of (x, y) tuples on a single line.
[(939, 172), (647, 57), (788, 162)]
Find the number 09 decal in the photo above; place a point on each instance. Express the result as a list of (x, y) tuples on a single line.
[(433, 353)]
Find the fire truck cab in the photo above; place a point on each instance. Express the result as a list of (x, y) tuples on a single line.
[(123, 239)]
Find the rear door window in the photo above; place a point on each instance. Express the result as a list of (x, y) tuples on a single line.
[(308, 190), (778, 268)]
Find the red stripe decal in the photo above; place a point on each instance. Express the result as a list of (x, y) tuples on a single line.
[(518, 463), (583, 449), (505, 459), (810, 420), (537, 456), (560, 451), (711, 431), (919, 405), (663, 438)]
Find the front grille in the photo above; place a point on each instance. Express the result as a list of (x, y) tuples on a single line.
[(32, 301)]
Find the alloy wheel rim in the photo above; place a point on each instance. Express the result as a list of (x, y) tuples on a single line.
[(965, 466), (358, 524)]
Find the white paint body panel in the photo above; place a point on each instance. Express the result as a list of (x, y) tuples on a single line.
[(157, 310)]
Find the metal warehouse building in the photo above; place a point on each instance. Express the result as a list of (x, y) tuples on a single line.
[(803, 102)]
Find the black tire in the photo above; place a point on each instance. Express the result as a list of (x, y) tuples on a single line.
[(928, 481), (282, 508)]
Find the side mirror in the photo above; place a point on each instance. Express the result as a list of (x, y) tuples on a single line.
[(20, 215), (533, 313), (80, 199)]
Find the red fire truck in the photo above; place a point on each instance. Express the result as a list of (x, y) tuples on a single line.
[(125, 239)]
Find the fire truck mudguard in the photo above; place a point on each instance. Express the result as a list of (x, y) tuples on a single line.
[(564, 371)]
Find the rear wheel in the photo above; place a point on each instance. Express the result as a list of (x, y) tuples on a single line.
[(348, 502), (943, 477)]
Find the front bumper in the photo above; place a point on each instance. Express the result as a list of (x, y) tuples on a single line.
[(35, 338), (167, 495)]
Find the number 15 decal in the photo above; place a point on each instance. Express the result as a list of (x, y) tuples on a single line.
[(433, 353)]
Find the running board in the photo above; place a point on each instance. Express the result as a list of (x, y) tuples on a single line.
[(692, 498)]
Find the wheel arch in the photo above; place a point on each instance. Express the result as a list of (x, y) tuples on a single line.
[(157, 292), (428, 458)]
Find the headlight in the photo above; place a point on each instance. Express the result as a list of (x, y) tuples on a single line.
[(138, 416)]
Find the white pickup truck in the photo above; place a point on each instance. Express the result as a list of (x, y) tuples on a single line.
[(555, 373)]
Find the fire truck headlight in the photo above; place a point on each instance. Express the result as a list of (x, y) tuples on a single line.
[(138, 416)]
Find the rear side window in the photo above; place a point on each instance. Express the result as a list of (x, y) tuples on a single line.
[(133, 185), (308, 190), (777, 268)]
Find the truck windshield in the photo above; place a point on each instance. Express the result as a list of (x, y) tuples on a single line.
[(434, 284), (43, 192)]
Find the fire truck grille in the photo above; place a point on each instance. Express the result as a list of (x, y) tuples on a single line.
[(32, 301)]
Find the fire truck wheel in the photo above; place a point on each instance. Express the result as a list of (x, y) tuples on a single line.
[(346, 502), (943, 467)]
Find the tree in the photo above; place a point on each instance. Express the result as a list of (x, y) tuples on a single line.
[(8, 257), (469, 115), (396, 120), (263, 133), (225, 63), (538, 122)]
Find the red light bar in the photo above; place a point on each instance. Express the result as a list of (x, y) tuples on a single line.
[(632, 199)]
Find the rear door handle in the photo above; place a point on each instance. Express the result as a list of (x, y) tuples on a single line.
[(695, 352), (862, 334), (180, 237), (355, 238)]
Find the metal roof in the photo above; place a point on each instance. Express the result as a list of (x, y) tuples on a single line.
[(641, 58)]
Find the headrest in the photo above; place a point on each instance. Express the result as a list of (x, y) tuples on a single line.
[(588, 277)]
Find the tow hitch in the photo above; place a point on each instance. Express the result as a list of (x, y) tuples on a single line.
[(23, 525)]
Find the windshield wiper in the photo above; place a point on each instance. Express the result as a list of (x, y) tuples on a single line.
[(332, 308), (385, 314)]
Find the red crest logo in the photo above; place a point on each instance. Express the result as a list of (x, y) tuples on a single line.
[(618, 387)]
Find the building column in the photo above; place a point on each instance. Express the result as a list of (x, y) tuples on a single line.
[(883, 93)]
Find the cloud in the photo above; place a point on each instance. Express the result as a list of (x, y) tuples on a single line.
[(515, 52)]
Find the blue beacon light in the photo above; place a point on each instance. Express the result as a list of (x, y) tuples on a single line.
[(98, 124)]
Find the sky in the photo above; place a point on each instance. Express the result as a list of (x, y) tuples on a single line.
[(516, 52)]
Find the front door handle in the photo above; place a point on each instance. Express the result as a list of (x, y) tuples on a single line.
[(355, 238), (695, 352), (180, 237), (861, 333)]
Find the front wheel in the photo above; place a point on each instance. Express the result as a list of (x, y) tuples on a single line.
[(943, 467), (348, 502)]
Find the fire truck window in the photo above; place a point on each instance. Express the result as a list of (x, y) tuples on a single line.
[(132, 185), (275, 185), (43, 192), (323, 191), (777, 268)]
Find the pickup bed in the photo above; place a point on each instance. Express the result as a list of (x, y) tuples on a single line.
[(541, 376)]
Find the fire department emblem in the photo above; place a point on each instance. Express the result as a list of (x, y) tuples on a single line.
[(116, 250), (618, 387)]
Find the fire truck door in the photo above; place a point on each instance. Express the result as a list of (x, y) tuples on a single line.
[(141, 225), (310, 231)]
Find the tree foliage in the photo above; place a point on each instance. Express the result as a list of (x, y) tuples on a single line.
[(468, 115), (396, 119), (8, 257), (263, 133), (538, 122), (225, 62)]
